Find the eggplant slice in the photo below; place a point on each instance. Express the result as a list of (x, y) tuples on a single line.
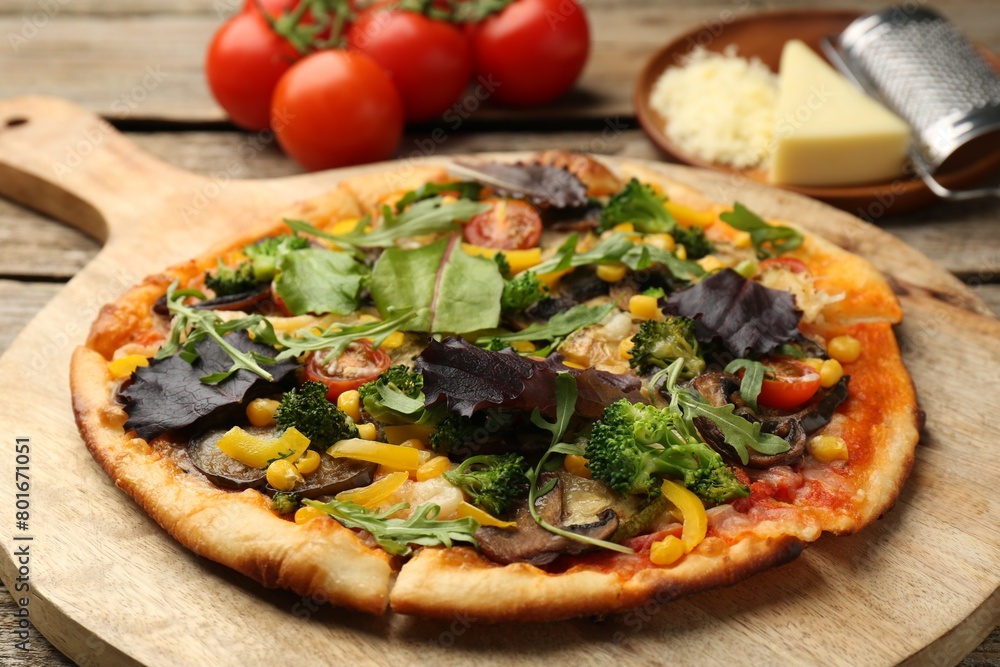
[(222, 469), (332, 477)]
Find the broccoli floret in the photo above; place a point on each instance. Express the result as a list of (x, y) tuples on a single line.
[(694, 242), (522, 291), (656, 344), (502, 264), (231, 280), (633, 445), (284, 503), (493, 482), (264, 254), (315, 417), (638, 204), (451, 432), (403, 385)]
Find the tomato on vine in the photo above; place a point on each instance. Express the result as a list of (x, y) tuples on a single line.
[(430, 61), (336, 108)]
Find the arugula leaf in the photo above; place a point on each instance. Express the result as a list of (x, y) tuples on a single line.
[(430, 216), (449, 290), (566, 395), (556, 329), (198, 325), (464, 190), (617, 248), (753, 378), (319, 281), (543, 185), (769, 240), (740, 434), (336, 338), (395, 535)]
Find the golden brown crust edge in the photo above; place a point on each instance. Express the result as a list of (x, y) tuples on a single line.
[(444, 583)]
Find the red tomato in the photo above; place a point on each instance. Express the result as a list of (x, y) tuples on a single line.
[(429, 61), (357, 365), (337, 108), (510, 225), (792, 384), (533, 51), (790, 263), (244, 63)]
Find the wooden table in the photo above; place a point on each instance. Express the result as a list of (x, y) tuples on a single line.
[(139, 64)]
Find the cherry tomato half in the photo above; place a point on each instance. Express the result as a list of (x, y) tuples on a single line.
[(429, 61), (510, 225), (532, 51), (337, 108), (791, 384), (244, 63), (357, 365), (790, 263)]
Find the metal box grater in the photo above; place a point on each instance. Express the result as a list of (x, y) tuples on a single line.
[(920, 66)]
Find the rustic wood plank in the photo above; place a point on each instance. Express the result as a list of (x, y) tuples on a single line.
[(150, 67), (39, 652), (21, 301)]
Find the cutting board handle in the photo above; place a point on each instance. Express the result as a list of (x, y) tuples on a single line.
[(68, 163)]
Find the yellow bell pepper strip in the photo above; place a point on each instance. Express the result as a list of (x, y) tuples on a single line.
[(482, 518), (259, 452), (370, 496), (670, 549), (393, 456), (125, 366), (689, 217), (518, 260)]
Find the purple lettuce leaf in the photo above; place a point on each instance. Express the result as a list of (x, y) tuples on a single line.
[(746, 316), (467, 379), (542, 185)]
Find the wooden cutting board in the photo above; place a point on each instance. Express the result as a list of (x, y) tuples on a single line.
[(109, 587)]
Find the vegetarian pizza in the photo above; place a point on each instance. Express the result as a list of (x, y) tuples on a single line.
[(519, 391)]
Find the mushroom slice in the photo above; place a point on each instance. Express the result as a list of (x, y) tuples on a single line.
[(530, 543)]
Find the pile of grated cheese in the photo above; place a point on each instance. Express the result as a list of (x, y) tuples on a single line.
[(720, 107)]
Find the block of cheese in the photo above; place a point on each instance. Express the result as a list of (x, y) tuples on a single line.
[(828, 133)]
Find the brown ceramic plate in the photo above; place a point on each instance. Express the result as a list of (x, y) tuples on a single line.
[(764, 35)]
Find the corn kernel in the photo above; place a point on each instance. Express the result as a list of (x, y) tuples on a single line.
[(661, 241), (350, 402), (625, 348), (830, 373), (844, 349), (711, 263), (681, 251), (435, 467), (827, 448), (577, 465), (611, 273), (626, 227), (260, 412), (367, 431), (125, 366), (344, 226), (644, 307), (813, 363), (307, 513), (523, 346), (666, 551), (283, 476), (742, 240), (308, 463)]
